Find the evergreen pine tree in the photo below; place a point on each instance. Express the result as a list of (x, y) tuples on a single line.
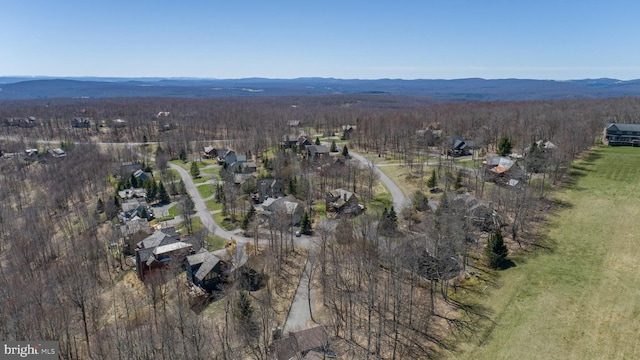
[(504, 146), (457, 184), (151, 188), (345, 150), (433, 180), (163, 195), (334, 147), (248, 217), (393, 218), (195, 170), (317, 140), (133, 181), (305, 224), (496, 250), (293, 186)]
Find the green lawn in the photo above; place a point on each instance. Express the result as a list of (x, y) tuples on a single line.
[(224, 222), (212, 205), (381, 201), (195, 223), (211, 171), (200, 180), (215, 242), (206, 190), (174, 211), (576, 297)]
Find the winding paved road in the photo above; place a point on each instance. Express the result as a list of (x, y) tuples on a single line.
[(399, 200)]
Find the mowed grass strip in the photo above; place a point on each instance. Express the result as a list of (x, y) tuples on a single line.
[(581, 298)]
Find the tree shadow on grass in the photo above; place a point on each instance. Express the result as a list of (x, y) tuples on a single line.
[(506, 264), (558, 204)]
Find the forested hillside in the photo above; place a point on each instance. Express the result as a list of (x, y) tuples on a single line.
[(383, 279)]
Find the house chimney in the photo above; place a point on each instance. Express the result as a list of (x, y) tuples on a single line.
[(345, 196)]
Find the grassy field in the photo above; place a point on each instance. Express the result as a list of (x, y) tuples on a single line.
[(577, 296)]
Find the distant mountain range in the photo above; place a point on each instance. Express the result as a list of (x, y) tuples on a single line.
[(474, 89)]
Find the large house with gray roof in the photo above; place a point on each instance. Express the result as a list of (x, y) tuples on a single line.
[(621, 135)]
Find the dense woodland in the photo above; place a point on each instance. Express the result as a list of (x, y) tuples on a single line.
[(384, 284)]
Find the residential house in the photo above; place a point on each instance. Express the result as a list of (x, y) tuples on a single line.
[(141, 175), (317, 151), (118, 123), (241, 158), (136, 207), (132, 193), (298, 344), (206, 270), (227, 156), (335, 166), (249, 167), (57, 153), (269, 188), (159, 250), (541, 144), (286, 209), (80, 123), (304, 141), (31, 153), (501, 170), (621, 135), (342, 202), (128, 168), (480, 213), (546, 144), (209, 152), (293, 123), (428, 137), (240, 164), (347, 131), (289, 141), (134, 231), (242, 178), (459, 148), (26, 122)]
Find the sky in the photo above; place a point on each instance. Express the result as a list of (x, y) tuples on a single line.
[(424, 39)]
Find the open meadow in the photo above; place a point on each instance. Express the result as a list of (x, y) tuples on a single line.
[(576, 296)]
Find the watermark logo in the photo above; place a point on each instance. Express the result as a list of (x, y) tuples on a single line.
[(28, 350)]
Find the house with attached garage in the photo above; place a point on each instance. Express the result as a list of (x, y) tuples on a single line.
[(317, 151), (160, 249), (341, 202), (621, 135), (208, 270)]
